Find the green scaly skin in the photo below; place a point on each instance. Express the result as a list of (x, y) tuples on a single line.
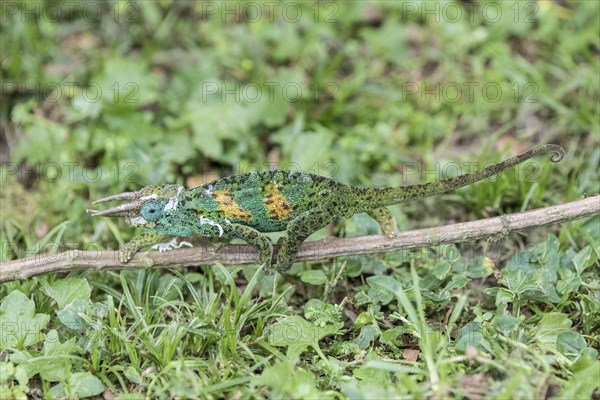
[(246, 205)]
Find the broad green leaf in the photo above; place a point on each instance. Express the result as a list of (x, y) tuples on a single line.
[(371, 370), (441, 269), (277, 97), (505, 322), (390, 336), (570, 283), (504, 296), (457, 281), (126, 83), (551, 325), (132, 374), (533, 273), (54, 364), (583, 382), (64, 291), (383, 288), (311, 149), (471, 335), (288, 381), (57, 368), (583, 259), (70, 314), (570, 343), (386, 283), (20, 326), (8, 372), (314, 277), (367, 336), (169, 288), (364, 318), (80, 384), (84, 384), (9, 389), (480, 267)]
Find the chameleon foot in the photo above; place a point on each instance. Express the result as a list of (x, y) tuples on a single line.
[(162, 247), (143, 239), (285, 256), (386, 221), (259, 241), (126, 254)]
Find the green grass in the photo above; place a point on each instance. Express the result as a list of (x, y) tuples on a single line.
[(514, 316)]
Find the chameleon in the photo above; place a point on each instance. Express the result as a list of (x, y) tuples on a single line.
[(244, 206)]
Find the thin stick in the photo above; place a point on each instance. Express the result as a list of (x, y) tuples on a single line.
[(74, 260)]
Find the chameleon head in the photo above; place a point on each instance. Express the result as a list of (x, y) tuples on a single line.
[(148, 207)]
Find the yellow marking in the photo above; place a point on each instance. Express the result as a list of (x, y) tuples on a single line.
[(277, 206), (228, 207)]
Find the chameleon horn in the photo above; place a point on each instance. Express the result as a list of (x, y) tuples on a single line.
[(115, 211), (94, 213), (120, 196)]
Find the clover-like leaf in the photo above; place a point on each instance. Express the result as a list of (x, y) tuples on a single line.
[(297, 334)]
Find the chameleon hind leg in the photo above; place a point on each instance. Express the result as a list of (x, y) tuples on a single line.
[(386, 221), (297, 231), (142, 239), (256, 239)]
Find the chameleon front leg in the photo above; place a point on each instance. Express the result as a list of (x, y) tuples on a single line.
[(145, 238), (256, 239), (297, 231), (386, 221)]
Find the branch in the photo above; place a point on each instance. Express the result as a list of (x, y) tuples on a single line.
[(333, 247)]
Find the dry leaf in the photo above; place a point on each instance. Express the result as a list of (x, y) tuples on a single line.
[(411, 354)]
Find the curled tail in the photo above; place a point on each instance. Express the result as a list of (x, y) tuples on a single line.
[(388, 196)]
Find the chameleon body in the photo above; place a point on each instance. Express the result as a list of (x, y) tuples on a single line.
[(246, 205)]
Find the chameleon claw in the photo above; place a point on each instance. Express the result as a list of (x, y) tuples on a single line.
[(162, 247)]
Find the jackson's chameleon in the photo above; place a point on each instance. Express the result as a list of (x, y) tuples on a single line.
[(245, 205)]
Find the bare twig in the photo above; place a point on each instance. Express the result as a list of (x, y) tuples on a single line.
[(334, 247)]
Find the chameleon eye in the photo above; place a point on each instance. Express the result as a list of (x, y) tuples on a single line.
[(151, 211)]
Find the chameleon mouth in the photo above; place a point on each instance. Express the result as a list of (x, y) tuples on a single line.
[(118, 211)]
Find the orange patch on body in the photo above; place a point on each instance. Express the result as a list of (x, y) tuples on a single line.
[(277, 205), (228, 207)]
